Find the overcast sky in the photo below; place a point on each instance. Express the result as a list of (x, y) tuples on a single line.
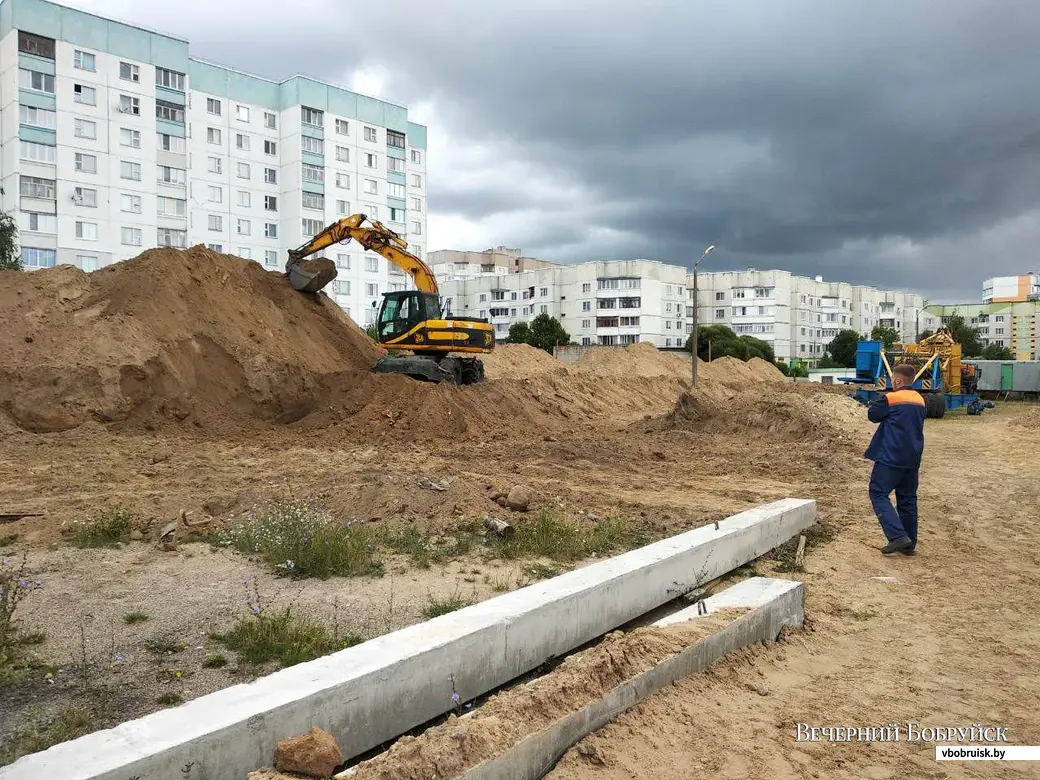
[(891, 142)]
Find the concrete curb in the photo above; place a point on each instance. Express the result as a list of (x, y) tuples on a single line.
[(375, 691), (775, 603)]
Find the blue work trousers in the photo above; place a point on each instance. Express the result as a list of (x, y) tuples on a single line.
[(900, 520)]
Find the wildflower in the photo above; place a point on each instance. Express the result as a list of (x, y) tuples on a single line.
[(455, 697), (118, 657)]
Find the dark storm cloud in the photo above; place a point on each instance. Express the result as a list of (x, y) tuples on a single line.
[(893, 143)]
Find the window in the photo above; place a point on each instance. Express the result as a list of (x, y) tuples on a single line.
[(35, 187), (270, 230), (721, 314), (543, 292), (171, 112), (170, 79), (371, 187), (312, 116), (342, 208), (720, 296), (243, 170), (244, 199), (129, 170), (586, 305), (36, 44), (270, 121), (242, 141), (171, 237), (343, 154), (87, 262), (130, 236), (417, 230), (86, 231), (416, 157), (416, 180), (85, 95), (175, 176), (313, 200), (370, 134), (85, 196), (343, 127), (312, 145), (416, 204), (38, 82), (372, 290), (372, 210), (215, 247), (130, 137), (271, 147), (271, 257), (216, 194), (42, 153), (38, 223), (244, 227), (213, 135), (396, 214), (130, 203), (129, 72), (343, 261), (270, 175), (85, 163), (171, 207), (216, 223), (130, 105), (39, 258), (84, 61), (246, 252), (371, 264), (343, 181), (314, 173), (214, 165), (311, 227), (371, 160), (394, 165), (417, 250), (271, 202), (37, 117), (171, 143), (242, 113), (213, 106)]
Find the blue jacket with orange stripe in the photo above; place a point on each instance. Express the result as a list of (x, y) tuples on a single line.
[(899, 438)]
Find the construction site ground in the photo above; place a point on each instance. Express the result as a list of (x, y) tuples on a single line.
[(946, 638)]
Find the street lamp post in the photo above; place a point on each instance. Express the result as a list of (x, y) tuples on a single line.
[(693, 335), (917, 320)]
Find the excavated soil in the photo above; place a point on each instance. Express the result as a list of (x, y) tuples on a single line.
[(518, 361)]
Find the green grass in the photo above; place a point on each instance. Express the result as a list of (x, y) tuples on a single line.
[(104, 529), (437, 607), (214, 661), (170, 699), (134, 617), (283, 637), (164, 645), (301, 539), (564, 540), (6, 540), (71, 723), (424, 549)]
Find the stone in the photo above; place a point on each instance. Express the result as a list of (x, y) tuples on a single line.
[(136, 535), (519, 499), (314, 754)]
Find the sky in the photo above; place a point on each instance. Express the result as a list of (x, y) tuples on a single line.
[(893, 143)]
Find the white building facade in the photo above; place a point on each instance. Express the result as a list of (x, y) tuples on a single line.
[(612, 303), (115, 140), (799, 316)]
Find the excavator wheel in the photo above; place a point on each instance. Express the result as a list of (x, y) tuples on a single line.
[(472, 371)]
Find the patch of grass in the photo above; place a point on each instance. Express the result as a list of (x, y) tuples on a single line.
[(170, 699), (299, 538), (6, 540), (283, 637), (163, 645), (565, 540), (437, 607), (32, 638), (15, 586), (130, 618), (498, 584), (543, 571), (104, 529), (214, 661), (425, 549), (70, 723)]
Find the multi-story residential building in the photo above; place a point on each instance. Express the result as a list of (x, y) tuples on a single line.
[(615, 302), (799, 315), (115, 140), (1011, 289), (1012, 325), (455, 265)]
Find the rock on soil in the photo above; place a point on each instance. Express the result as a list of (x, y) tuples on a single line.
[(519, 499), (314, 754)]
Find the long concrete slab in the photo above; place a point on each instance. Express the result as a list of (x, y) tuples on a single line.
[(773, 604), (370, 693)]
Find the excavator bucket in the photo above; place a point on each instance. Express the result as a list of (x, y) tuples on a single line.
[(311, 275)]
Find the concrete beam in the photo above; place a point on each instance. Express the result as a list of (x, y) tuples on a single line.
[(375, 691), (773, 603)]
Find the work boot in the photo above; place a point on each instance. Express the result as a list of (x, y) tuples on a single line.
[(910, 551), (898, 545)]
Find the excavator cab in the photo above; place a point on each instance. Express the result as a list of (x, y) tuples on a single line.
[(401, 312)]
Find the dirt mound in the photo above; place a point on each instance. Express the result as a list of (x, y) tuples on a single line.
[(518, 361), (1030, 420), (643, 360), (172, 334), (766, 371)]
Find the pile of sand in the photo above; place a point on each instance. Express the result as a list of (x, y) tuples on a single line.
[(169, 334), (1030, 420), (637, 360), (517, 361)]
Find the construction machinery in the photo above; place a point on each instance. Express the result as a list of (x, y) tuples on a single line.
[(945, 382), (408, 320)]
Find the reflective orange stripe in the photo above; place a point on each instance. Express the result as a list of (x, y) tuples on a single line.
[(905, 397)]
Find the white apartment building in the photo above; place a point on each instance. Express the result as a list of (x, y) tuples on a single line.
[(615, 302), (455, 265), (115, 140), (799, 315), (1011, 289)]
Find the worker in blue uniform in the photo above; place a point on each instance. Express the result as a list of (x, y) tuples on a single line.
[(896, 450)]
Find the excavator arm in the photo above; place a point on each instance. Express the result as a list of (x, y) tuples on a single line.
[(312, 275)]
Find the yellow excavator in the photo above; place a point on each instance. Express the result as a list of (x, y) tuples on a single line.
[(408, 320)]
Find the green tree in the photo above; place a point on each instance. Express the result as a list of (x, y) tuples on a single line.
[(784, 368), (724, 343), (925, 334), (547, 333), (519, 333), (996, 352), (372, 333), (842, 349), (828, 362), (966, 335), (888, 336), (759, 348), (10, 260)]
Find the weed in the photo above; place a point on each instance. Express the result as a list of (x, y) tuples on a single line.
[(8, 540), (170, 699), (15, 586), (163, 644), (542, 571), (425, 549), (214, 661), (134, 617), (104, 529), (498, 584), (566, 540), (69, 724), (437, 607), (299, 538)]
